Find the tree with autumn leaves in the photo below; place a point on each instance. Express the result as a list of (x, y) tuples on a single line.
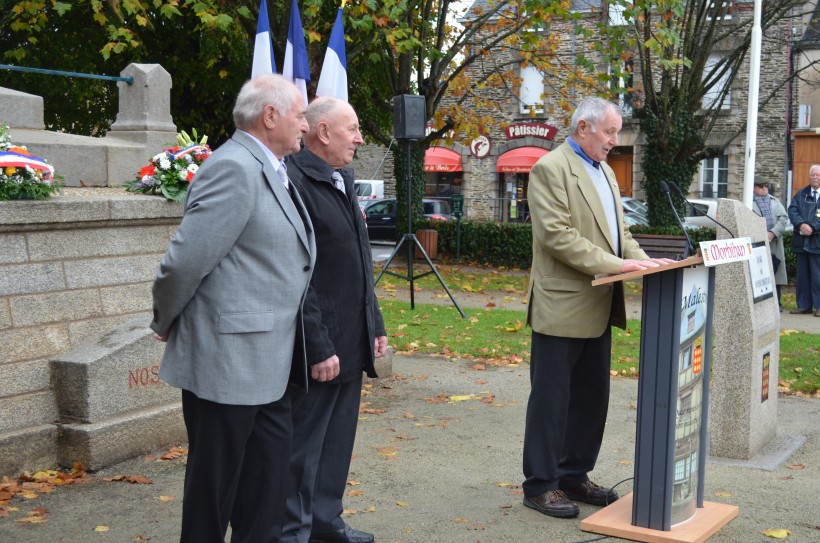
[(464, 60)]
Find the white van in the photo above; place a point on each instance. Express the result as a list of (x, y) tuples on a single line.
[(369, 188)]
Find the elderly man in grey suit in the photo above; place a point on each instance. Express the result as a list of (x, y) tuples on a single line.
[(228, 299)]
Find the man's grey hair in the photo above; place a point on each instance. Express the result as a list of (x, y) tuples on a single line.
[(320, 109), (261, 91), (592, 110), (814, 167)]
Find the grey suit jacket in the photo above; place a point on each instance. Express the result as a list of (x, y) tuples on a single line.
[(230, 288)]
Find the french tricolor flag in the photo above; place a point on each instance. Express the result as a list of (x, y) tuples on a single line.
[(333, 79), (263, 61), (296, 66)]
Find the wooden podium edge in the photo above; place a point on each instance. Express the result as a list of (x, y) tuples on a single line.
[(614, 520), (686, 263)]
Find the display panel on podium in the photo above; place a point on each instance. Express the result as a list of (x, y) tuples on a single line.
[(673, 397)]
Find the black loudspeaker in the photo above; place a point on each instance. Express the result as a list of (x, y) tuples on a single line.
[(409, 120)]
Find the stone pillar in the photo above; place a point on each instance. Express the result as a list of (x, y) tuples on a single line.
[(144, 118), (741, 422), (146, 103)]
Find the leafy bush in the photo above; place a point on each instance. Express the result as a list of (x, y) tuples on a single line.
[(510, 244)]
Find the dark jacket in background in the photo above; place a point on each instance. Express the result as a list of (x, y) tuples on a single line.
[(341, 312), (805, 210)]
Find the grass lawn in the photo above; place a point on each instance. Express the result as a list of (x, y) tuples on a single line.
[(499, 337)]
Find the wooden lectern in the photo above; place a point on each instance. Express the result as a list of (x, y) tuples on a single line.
[(667, 504)]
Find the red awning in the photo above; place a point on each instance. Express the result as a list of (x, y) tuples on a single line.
[(441, 159), (519, 160)]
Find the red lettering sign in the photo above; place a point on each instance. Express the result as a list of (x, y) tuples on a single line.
[(144, 377)]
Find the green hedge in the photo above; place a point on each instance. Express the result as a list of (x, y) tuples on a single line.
[(510, 244)]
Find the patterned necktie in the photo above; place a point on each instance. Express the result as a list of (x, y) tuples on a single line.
[(283, 174), (338, 181), (814, 195)]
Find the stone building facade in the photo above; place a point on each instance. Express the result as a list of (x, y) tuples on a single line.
[(494, 183)]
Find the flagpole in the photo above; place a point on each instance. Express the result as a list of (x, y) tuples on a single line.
[(751, 111)]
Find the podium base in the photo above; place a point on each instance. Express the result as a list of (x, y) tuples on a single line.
[(614, 520)]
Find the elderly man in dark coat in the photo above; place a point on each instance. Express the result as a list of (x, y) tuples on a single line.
[(344, 329)]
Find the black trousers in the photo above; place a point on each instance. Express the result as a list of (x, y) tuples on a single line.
[(324, 424), (566, 411), (237, 470)]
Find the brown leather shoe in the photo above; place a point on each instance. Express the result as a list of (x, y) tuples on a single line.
[(553, 503), (589, 492), (799, 311)]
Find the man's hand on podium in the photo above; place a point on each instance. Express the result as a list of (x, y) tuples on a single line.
[(636, 265)]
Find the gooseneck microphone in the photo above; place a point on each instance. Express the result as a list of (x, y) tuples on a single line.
[(699, 211), (690, 249)]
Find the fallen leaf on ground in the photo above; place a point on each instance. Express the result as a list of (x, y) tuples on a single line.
[(355, 492), (133, 479), (796, 466), (777, 533), (166, 498), (478, 367), (173, 452), (402, 504), (101, 529), (353, 483)]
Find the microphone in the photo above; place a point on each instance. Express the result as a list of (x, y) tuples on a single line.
[(690, 249), (699, 211)]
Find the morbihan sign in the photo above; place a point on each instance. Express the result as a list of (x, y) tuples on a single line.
[(723, 251)]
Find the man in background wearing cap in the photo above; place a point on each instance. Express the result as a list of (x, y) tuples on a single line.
[(777, 220)]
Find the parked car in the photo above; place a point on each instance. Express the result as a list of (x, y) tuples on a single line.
[(380, 215), (367, 189), (694, 219), (635, 207)]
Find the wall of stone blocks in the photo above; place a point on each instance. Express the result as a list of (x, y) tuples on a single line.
[(71, 269)]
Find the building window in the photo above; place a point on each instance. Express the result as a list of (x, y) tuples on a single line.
[(720, 10), (442, 185), (712, 96), (714, 176), (623, 84), (616, 15), (532, 90)]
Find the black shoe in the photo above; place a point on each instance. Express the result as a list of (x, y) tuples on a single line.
[(343, 535), (799, 311), (553, 503), (589, 492)]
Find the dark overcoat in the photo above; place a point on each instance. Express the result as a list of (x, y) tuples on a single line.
[(341, 312)]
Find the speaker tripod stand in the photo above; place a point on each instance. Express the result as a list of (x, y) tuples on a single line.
[(410, 239)]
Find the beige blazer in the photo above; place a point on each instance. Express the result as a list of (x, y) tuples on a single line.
[(571, 243)]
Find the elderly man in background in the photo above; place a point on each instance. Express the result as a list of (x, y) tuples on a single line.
[(578, 232), (804, 213), (343, 326), (777, 220), (228, 299)]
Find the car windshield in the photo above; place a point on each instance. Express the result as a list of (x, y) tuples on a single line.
[(440, 207)]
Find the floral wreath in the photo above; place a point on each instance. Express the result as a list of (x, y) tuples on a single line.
[(23, 176), (171, 171)]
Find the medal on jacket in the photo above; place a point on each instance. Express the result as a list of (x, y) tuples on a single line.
[(817, 213)]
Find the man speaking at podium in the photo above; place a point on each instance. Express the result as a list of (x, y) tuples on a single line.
[(578, 231)]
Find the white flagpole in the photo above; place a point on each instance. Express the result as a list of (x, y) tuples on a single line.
[(751, 114)]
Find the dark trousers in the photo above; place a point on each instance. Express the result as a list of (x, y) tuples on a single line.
[(237, 470), (808, 281), (566, 411), (324, 425)]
